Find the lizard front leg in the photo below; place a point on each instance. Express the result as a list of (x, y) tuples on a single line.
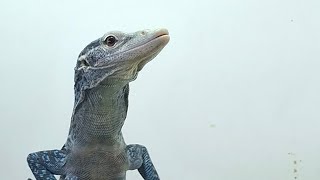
[(46, 164), (139, 158)]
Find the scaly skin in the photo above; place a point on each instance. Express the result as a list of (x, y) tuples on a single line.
[(95, 148)]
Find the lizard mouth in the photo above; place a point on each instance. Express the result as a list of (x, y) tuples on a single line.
[(160, 39), (162, 33), (149, 49)]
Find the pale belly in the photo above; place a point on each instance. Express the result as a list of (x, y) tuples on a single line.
[(97, 164)]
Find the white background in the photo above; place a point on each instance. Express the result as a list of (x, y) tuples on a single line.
[(234, 95)]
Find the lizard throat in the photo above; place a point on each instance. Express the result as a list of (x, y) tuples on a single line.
[(100, 116)]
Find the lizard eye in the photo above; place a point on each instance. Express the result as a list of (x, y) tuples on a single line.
[(110, 41)]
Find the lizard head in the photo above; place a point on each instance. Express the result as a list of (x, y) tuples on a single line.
[(117, 57)]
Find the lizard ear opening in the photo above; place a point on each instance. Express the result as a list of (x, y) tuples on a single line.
[(82, 62)]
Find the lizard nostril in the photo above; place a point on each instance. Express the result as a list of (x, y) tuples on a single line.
[(143, 33)]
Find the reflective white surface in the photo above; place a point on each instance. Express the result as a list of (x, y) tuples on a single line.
[(234, 95)]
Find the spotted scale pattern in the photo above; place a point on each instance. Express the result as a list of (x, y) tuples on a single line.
[(44, 164), (139, 159)]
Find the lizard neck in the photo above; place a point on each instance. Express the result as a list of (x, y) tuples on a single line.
[(100, 116)]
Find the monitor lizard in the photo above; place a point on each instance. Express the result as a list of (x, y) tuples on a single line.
[(95, 148)]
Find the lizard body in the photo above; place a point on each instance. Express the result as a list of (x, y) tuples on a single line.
[(95, 148)]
